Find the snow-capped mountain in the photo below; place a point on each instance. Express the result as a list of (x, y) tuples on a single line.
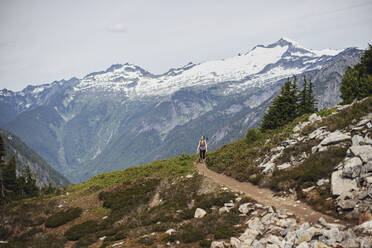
[(126, 115), (259, 66)]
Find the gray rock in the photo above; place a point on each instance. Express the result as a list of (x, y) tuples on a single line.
[(367, 140), (199, 213), (362, 122), (284, 166), (351, 243), (314, 117), (305, 235), (170, 231), (369, 180), (341, 185), (346, 204), (249, 234), (229, 204), (365, 228), (273, 240), (319, 133), (303, 245), (322, 181), (363, 152), (300, 126), (256, 224), (357, 140), (269, 167), (308, 189), (334, 138), (352, 167), (218, 244), (245, 208), (224, 209), (234, 242)]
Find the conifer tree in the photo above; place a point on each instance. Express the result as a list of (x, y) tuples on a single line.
[(357, 81), (283, 108), (10, 179), (30, 188), (2, 165)]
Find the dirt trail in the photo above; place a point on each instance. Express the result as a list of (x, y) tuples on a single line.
[(265, 196)]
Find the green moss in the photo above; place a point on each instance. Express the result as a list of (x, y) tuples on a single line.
[(62, 217)]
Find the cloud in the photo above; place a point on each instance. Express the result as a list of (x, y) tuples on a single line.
[(118, 28)]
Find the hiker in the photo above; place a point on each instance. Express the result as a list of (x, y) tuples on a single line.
[(203, 148)]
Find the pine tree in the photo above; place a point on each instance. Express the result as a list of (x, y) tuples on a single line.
[(357, 81), (307, 101), (311, 100), (30, 188), (283, 109), (2, 149), (303, 99), (10, 179)]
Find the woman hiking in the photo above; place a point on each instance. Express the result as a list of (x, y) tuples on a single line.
[(203, 148)]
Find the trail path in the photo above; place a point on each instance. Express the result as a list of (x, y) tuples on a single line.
[(265, 196)]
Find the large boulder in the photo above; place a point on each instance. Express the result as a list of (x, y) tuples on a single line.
[(341, 185), (364, 152), (352, 167), (334, 138)]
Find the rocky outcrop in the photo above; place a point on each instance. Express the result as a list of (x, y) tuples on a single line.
[(267, 227)]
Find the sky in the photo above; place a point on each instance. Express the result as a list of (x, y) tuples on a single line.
[(46, 40)]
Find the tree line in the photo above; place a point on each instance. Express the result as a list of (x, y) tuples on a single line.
[(13, 187), (357, 80), (289, 104)]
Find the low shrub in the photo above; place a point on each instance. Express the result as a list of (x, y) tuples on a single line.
[(146, 240), (29, 234), (78, 231), (317, 166), (62, 217), (205, 243), (253, 135)]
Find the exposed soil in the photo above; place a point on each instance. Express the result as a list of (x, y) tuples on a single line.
[(265, 196)]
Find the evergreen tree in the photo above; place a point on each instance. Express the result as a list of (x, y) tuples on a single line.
[(283, 109), (2, 165), (2, 149), (357, 81), (307, 101), (311, 100), (10, 179), (30, 188)]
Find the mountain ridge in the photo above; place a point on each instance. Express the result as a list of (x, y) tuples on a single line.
[(125, 115)]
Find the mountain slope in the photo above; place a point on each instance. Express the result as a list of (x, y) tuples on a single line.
[(126, 115), (25, 156)]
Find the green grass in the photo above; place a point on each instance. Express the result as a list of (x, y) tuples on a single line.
[(179, 166)]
